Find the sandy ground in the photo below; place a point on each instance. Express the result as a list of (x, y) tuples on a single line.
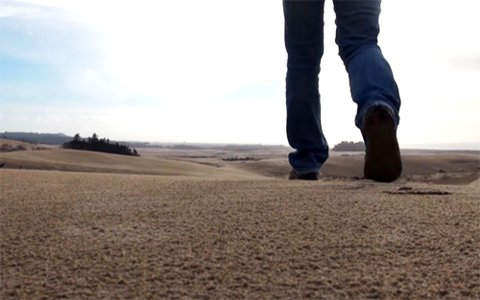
[(97, 235), (194, 224)]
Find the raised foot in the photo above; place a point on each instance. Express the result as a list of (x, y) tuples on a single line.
[(383, 162)]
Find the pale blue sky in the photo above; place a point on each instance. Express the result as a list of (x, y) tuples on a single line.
[(213, 70)]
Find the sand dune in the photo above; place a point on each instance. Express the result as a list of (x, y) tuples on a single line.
[(97, 235), (436, 167), (87, 161), (6, 144)]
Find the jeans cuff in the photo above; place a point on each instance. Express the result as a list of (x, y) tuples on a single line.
[(359, 119)]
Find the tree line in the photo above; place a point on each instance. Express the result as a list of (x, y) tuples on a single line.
[(93, 143), (350, 146)]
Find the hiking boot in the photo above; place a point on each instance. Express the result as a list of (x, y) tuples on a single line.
[(382, 156), (294, 175)]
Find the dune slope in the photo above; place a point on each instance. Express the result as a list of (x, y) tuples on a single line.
[(440, 167), (87, 161)]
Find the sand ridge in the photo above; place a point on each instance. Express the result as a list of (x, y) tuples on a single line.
[(99, 235), (96, 162), (461, 167)]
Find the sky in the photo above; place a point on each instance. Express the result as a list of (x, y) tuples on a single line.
[(213, 71)]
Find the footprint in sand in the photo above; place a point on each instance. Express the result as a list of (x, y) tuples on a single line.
[(406, 190)]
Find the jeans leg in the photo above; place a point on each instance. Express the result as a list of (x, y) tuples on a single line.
[(371, 78), (304, 45)]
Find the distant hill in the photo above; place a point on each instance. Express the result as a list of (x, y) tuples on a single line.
[(37, 138)]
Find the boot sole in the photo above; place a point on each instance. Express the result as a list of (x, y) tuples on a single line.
[(307, 176), (382, 159)]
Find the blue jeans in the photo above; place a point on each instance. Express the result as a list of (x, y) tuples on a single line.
[(371, 78)]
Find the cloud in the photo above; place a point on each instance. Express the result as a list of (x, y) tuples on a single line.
[(171, 64), (31, 10), (44, 35), (48, 57), (17, 9), (468, 62)]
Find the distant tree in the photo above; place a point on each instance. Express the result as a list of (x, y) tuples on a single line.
[(6, 148), (350, 146), (20, 147), (100, 145), (10, 148)]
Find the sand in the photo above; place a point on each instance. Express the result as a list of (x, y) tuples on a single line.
[(460, 167), (245, 232)]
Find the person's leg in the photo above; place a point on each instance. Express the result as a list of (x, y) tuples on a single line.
[(304, 44), (372, 85), (371, 78)]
